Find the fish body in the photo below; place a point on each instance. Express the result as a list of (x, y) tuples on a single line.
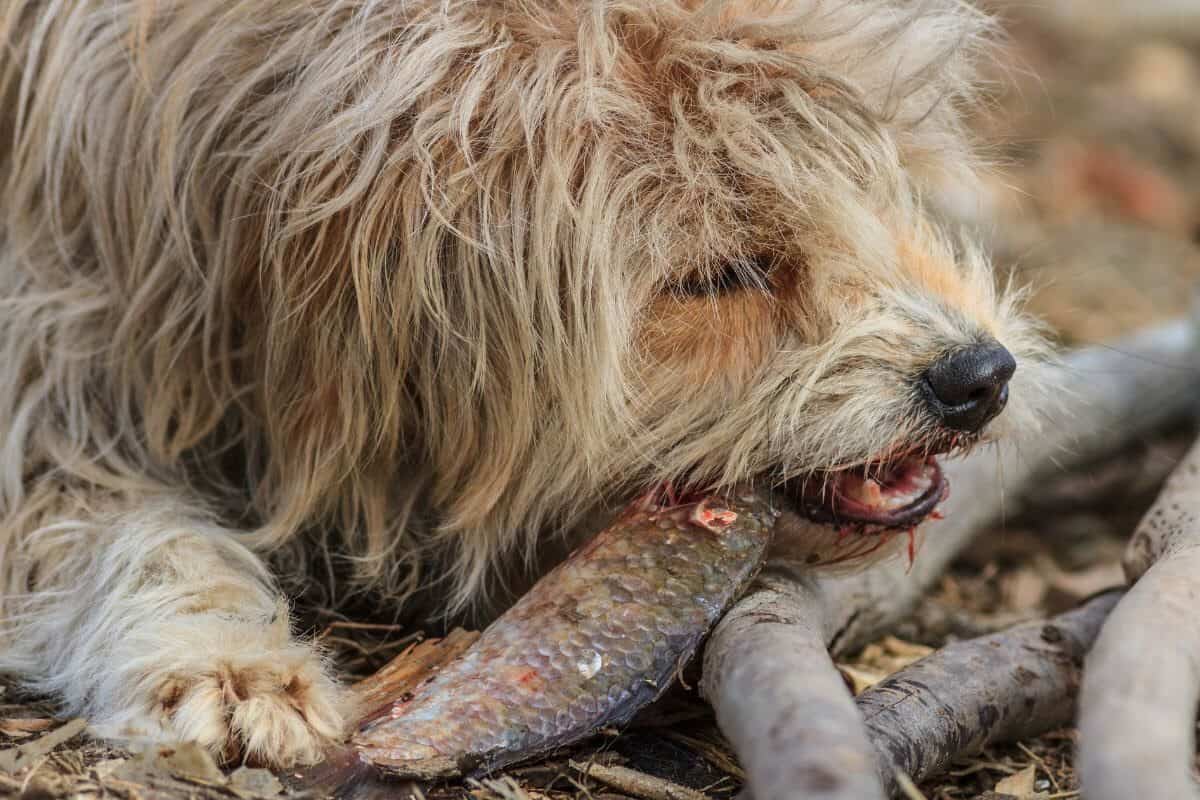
[(594, 641)]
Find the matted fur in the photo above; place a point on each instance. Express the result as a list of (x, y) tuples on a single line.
[(400, 280)]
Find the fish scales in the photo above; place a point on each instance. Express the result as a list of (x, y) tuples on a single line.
[(594, 641)]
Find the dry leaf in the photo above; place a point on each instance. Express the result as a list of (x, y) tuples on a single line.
[(860, 679), (260, 782), (192, 762), (1087, 582), (22, 728), (1023, 589), (884, 657), (902, 649), (108, 766), (1019, 784)]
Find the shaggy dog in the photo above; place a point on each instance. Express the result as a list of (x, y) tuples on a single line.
[(416, 287)]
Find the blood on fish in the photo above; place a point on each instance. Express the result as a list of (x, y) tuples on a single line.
[(711, 518)]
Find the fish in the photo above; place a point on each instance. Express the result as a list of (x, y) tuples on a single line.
[(594, 641)]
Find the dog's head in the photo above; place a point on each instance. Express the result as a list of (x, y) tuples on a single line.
[(518, 260), (720, 269)]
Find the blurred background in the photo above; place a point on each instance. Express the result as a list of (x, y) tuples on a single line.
[(1094, 131), (1094, 203)]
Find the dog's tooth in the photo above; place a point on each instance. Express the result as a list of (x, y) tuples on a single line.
[(870, 493)]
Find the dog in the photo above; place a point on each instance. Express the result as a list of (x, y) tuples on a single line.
[(414, 288)]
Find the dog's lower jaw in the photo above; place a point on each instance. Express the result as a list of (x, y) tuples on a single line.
[(813, 534), (830, 548), (174, 634)]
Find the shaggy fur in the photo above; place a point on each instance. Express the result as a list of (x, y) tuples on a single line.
[(419, 285)]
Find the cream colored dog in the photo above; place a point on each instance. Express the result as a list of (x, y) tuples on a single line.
[(414, 287)]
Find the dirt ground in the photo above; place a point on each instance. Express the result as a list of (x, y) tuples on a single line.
[(1094, 202)]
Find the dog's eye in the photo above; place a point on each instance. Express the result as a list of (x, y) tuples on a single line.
[(733, 276)]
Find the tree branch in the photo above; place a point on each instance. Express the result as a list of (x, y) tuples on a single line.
[(1142, 684), (775, 695), (1011, 685)]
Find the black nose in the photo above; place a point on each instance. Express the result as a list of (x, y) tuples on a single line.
[(968, 387)]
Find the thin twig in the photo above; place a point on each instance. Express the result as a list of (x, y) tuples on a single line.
[(638, 784), (1041, 762)]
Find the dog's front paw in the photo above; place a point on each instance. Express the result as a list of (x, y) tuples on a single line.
[(252, 696), (255, 708)]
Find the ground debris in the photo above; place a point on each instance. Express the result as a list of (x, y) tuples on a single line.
[(1019, 785), (255, 782), (677, 739), (1016, 683)]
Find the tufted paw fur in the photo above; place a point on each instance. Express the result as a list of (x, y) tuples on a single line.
[(244, 691), (258, 710)]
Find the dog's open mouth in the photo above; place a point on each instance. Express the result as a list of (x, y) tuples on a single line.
[(898, 494)]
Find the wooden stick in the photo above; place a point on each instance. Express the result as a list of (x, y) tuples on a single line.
[(1011, 685), (409, 668), (759, 689), (1142, 685), (781, 701)]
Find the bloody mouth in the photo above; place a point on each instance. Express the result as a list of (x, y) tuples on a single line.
[(898, 494)]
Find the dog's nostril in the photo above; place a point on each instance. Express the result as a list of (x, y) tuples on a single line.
[(968, 387)]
